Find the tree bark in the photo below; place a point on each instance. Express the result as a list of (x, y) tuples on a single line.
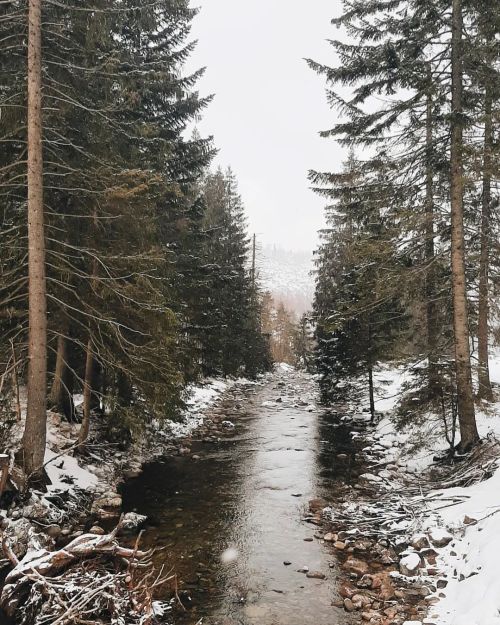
[(87, 394), (466, 412), (371, 386), (430, 279), (485, 390), (371, 390), (57, 390), (35, 429)]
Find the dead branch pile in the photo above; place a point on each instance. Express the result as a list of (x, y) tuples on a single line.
[(92, 580), (476, 467)]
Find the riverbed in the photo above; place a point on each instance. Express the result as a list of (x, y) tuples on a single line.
[(231, 518)]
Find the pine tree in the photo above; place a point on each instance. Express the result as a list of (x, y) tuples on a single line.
[(36, 418), (358, 311)]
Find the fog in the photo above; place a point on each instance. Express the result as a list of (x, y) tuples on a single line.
[(269, 107)]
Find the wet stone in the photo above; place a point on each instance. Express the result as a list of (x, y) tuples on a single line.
[(315, 575)]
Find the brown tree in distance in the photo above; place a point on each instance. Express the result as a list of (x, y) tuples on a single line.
[(35, 429), (466, 413)]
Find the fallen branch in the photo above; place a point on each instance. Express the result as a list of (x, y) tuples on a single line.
[(81, 583)]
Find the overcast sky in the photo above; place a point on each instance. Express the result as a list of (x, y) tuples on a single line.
[(269, 107)]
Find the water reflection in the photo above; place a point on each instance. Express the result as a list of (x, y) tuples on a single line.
[(242, 495)]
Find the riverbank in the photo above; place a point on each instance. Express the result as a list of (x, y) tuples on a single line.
[(416, 536), (80, 503), (267, 509)]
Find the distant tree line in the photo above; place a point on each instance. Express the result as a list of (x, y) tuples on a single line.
[(125, 267), (407, 264)]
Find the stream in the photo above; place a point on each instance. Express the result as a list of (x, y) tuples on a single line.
[(230, 519)]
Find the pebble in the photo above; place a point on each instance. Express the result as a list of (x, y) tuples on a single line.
[(349, 605), (315, 575), (287, 563)]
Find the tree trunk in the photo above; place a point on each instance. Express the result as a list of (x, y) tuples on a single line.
[(371, 389), (87, 394), (484, 390), (430, 279), (466, 413), (56, 393), (35, 429)]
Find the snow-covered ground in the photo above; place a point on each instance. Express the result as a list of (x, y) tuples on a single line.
[(470, 561), (65, 470)]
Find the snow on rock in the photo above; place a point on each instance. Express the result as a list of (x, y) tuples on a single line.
[(132, 521), (440, 537), (283, 367), (369, 477), (410, 564)]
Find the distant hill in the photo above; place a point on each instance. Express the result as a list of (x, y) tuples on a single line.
[(287, 275)]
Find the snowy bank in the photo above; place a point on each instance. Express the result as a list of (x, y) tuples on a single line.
[(468, 564)]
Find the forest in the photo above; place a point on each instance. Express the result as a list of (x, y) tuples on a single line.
[(180, 443)]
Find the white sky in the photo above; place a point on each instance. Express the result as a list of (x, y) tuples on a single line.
[(269, 107)]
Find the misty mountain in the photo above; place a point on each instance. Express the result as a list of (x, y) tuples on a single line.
[(287, 275)]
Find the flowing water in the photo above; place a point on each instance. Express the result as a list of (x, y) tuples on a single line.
[(231, 519)]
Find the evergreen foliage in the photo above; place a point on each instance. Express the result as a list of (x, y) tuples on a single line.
[(148, 279)]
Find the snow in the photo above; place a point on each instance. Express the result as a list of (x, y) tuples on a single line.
[(411, 561), (283, 367), (471, 560), (64, 470), (200, 397), (65, 473)]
